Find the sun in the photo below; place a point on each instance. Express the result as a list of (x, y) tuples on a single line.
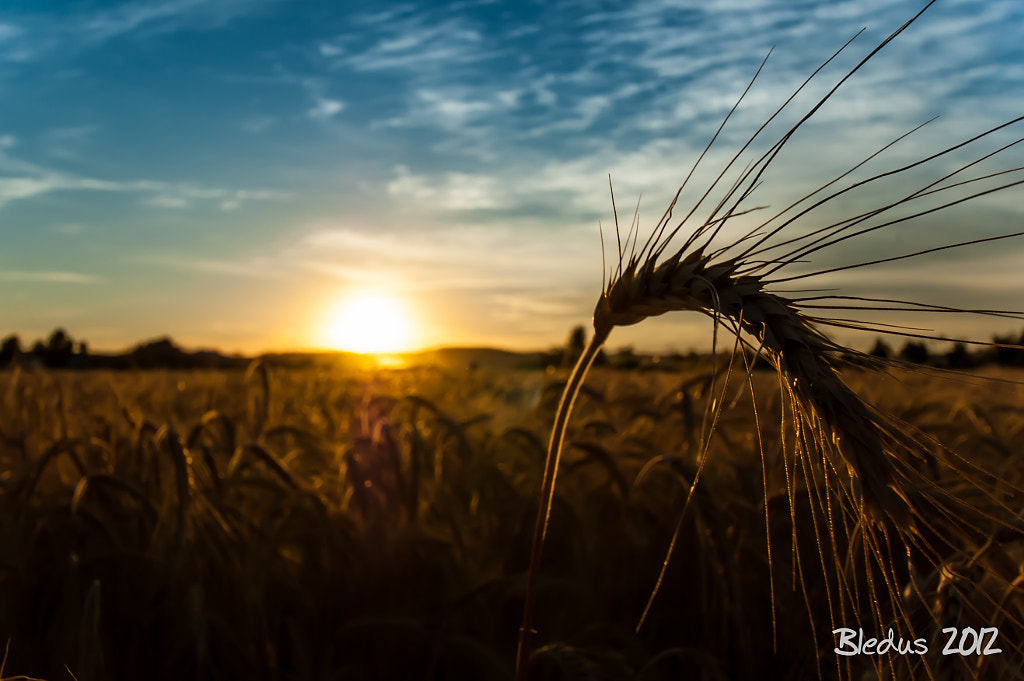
[(368, 323)]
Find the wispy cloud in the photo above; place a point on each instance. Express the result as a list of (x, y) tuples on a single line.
[(161, 194), (255, 268), (675, 70), (531, 305), (166, 201), (451, 191), (8, 31), (328, 50), (178, 195), (39, 35), (165, 15), (27, 180), (439, 258), (13, 188), (13, 47), (48, 277), (326, 108), (407, 40)]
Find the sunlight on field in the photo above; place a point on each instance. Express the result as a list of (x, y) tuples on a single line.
[(368, 323)]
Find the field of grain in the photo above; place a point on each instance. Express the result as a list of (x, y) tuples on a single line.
[(340, 524)]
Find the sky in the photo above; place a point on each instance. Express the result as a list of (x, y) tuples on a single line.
[(230, 173)]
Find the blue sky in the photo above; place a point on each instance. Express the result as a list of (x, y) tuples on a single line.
[(226, 172)]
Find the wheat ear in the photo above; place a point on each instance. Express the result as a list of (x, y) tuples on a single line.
[(796, 349)]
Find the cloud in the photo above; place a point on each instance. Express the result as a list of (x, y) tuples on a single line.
[(48, 277), (165, 16), (415, 43), (184, 196), (532, 305), (452, 191), (161, 194), (8, 31), (326, 108), (470, 121), (450, 110), (165, 201), (257, 268), (661, 69), (66, 33), (489, 257), (28, 180), (13, 48), (674, 73), (584, 112), (14, 188)]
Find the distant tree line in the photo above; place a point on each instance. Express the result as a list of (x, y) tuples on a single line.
[(1004, 351), (61, 351)]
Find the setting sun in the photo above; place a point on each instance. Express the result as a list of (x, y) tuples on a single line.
[(368, 323)]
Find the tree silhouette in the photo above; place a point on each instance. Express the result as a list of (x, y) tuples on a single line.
[(959, 357), (10, 350), (59, 349), (1010, 351), (881, 349), (914, 352), (574, 348), (159, 353), (626, 358)]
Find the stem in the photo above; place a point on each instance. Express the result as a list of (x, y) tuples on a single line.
[(547, 494)]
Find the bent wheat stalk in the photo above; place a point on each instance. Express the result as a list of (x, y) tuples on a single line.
[(861, 454)]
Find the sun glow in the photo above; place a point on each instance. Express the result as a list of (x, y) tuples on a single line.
[(369, 323)]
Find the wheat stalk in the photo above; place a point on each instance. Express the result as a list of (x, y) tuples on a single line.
[(863, 452)]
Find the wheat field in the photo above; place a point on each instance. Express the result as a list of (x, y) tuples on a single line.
[(329, 524)]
